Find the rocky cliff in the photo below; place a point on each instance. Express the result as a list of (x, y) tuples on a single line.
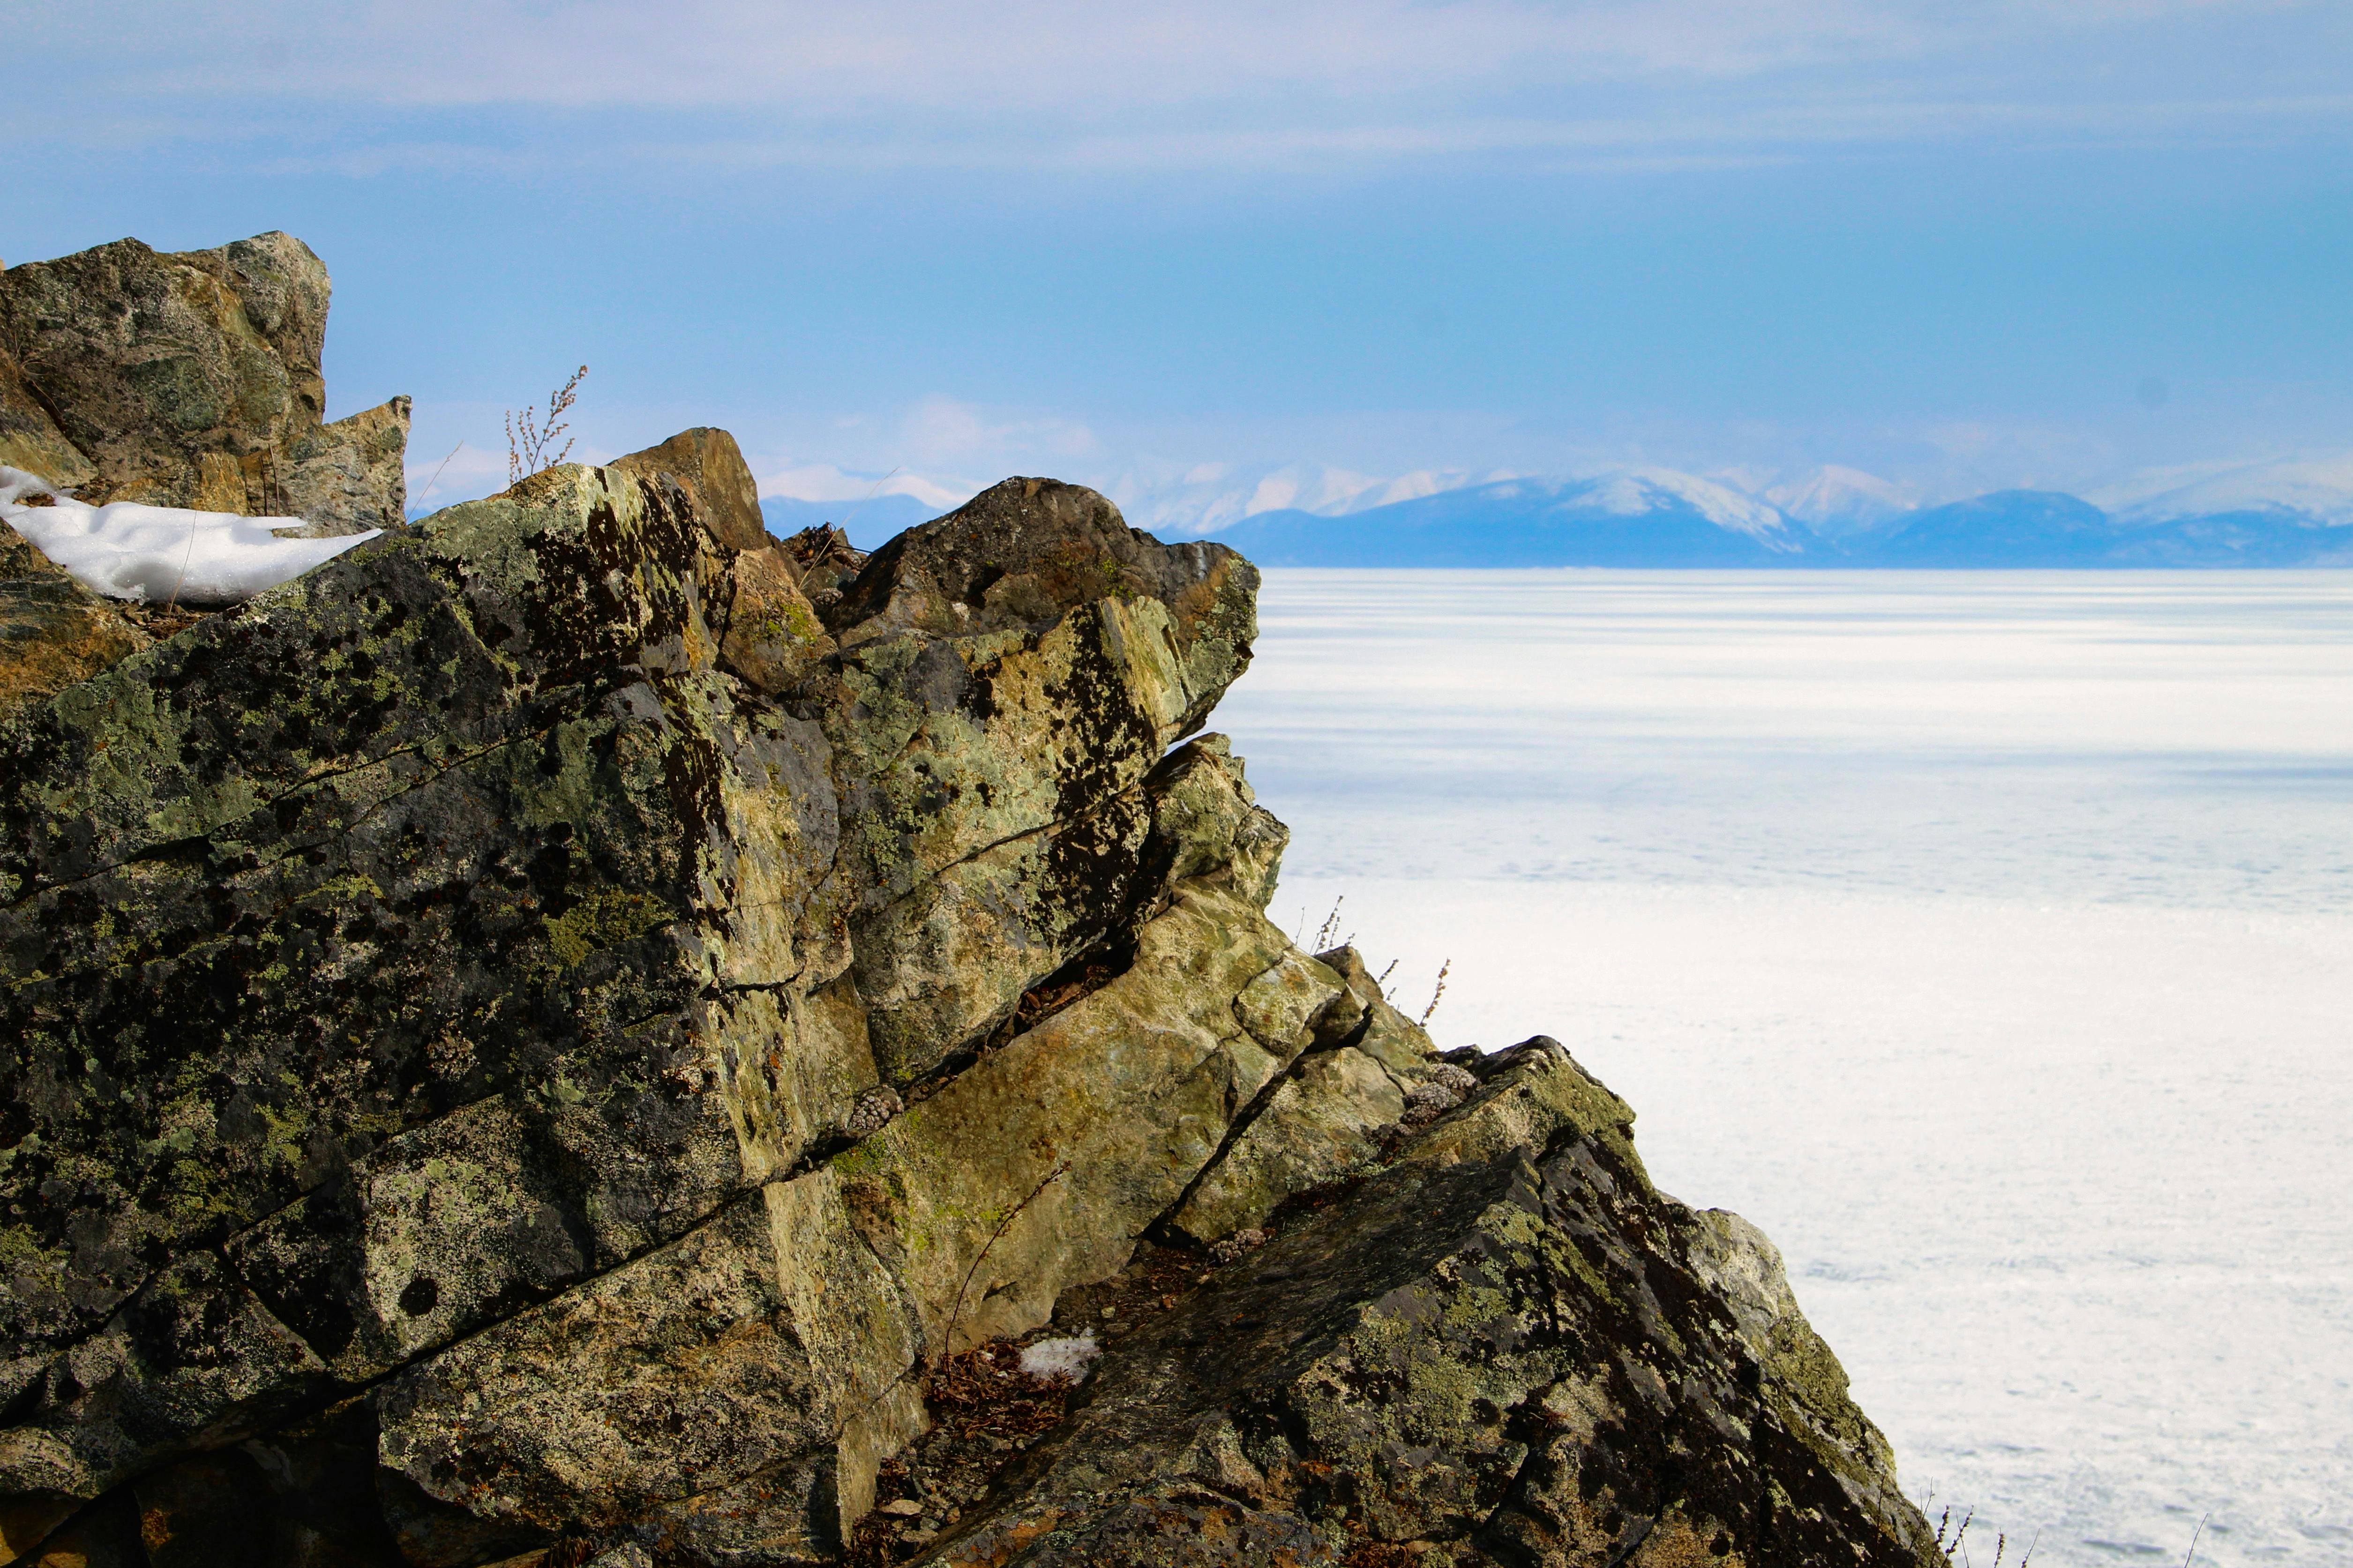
[(581, 1032)]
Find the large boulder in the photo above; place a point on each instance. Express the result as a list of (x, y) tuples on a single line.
[(442, 963), (1008, 676), (191, 380)]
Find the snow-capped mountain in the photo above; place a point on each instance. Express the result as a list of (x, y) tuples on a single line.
[(1838, 502), (2319, 489), (2287, 513), (1632, 517), (1640, 492), (1179, 504)]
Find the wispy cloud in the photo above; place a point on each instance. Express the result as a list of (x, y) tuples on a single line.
[(825, 482), (1644, 83)]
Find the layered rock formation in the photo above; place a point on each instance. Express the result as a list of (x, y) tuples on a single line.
[(547, 1038)]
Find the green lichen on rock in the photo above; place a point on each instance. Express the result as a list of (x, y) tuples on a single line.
[(1430, 1367), (605, 918)]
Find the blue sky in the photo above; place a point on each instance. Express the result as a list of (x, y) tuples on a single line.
[(1958, 246)]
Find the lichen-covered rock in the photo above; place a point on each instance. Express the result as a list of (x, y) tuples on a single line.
[(1038, 1167), (1008, 676), (1336, 1113), (190, 380), (452, 952), (1321, 1125), (710, 467), (456, 818), (348, 476), (1514, 1358), (535, 1043)]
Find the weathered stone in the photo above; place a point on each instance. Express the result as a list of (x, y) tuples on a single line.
[(824, 562), (29, 437), (1320, 1125), (1206, 823), (348, 476), (1527, 1096), (1038, 1167), (1008, 676), (432, 1235), (710, 467), (53, 631), (1390, 1037), (567, 868), (669, 1378), (774, 636), (1505, 1359), (1283, 1000), (190, 380), (192, 1361), (1327, 1119)]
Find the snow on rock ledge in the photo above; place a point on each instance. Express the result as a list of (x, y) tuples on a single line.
[(160, 553)]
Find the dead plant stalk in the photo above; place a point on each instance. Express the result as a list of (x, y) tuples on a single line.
[(529, 433)]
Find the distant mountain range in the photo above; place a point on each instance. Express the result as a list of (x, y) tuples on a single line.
[(1659, 518), (2289, 514)]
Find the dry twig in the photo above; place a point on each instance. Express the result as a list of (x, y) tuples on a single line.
[(1434, 996), (529, 432)]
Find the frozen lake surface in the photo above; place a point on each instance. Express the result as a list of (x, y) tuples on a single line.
[(1987, 938)]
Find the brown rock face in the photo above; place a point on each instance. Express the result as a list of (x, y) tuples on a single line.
[(710, 467), (53, 631), (190, 380)]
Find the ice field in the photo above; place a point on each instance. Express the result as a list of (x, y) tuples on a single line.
[(1987, 938)]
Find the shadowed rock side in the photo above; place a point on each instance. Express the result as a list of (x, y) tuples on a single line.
[(525, 1044)]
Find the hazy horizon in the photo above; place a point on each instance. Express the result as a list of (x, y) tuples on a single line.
[(1961, 251)]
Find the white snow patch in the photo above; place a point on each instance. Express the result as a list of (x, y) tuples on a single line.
[(1069, 1358), (1837, 500), (128, 551)]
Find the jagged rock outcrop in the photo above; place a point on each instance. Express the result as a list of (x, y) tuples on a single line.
[(540, 1040), (1503, 1346), (191, 380)]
